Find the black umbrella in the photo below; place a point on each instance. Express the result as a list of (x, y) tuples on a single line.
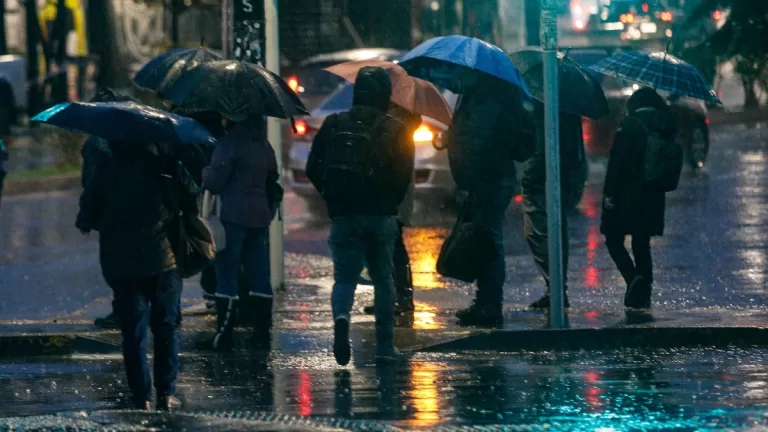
[(235, 88), (161, 72), (580, 92)]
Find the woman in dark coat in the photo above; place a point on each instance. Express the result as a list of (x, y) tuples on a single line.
[(630, 207)]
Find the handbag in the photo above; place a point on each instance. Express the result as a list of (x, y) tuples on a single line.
[(190, 237), (211, 211), (467, 251)]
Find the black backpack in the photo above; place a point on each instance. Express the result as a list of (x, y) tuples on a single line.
[(663, 162), (355, 160)]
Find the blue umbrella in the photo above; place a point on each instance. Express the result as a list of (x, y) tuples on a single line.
[(659, 70), (125, 121), (445, 61)]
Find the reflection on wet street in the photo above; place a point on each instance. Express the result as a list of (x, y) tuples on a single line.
[(639, 390), (711, 265)]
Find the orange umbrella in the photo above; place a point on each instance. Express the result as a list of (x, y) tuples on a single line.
[(414, 94)]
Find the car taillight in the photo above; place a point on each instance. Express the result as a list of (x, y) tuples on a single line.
[(644, 7), (717, 15), (293, 83), (423, 134), (666, 16), (627, 18)]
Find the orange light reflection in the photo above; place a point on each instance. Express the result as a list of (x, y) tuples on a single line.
[(424, 393)]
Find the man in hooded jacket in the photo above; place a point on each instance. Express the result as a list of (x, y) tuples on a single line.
[(361, 162), (630, 205)]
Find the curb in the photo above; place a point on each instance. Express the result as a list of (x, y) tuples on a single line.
[(37, 345), (605, 338), (58, 182)]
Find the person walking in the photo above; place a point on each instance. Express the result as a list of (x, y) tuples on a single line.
[(361, 162), (534, 184), (402, 262), (484, 141), (96, 150), (129, 202), (631, 206), (241, 172)]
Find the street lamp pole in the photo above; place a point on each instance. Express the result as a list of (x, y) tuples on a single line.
[(274, 135), (552, 151)]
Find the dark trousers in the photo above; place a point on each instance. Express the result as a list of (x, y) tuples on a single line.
[(641, 249), (142, 302), (402, 273), (537, 233)]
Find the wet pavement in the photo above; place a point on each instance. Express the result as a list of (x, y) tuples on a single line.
[(680, 390), (711, 270)]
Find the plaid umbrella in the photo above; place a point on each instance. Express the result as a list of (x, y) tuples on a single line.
[(661, 71)]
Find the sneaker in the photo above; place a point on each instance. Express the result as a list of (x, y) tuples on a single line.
[(638, 295), (108, 322), (387, 355), (341, 349), (168, 403), (543, 302), (481, 316), (143, 406)]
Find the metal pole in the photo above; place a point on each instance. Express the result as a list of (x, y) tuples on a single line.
[(552, 136), (226, 30), (274, 135)]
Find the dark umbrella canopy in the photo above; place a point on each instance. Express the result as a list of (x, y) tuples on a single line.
[(235, 88), (161, 72), (125, 121), (580, 93)]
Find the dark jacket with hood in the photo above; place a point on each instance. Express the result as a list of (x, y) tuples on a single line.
[(372, 93), (242, 164), (485, 139), (129, 201), (630, 207)]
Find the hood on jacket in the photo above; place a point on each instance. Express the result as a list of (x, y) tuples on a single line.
[(657, 121), (646, 97), (373, 88), (106, 94)]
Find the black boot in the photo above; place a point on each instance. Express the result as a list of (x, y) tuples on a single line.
[(226, 315), (260, 313), (638, 295), (481, 314)]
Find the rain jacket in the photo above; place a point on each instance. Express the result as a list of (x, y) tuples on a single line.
[(128, 200), (629, 205), (95, 150), (242, 164), (485, 140), (372, 93)]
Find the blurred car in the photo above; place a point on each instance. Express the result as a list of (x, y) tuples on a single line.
[(313, 84), (433, 176), (631, 19), (691, 114)]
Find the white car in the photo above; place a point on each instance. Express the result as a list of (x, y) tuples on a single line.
[(433, 176)]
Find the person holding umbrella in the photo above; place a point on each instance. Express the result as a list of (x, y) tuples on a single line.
[(580, 94), (484, 141), (243, 173), (134, 196)]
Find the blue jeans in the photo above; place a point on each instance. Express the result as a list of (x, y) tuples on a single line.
[(488, 209), (149, 301), (246, 248), (354, 241)]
